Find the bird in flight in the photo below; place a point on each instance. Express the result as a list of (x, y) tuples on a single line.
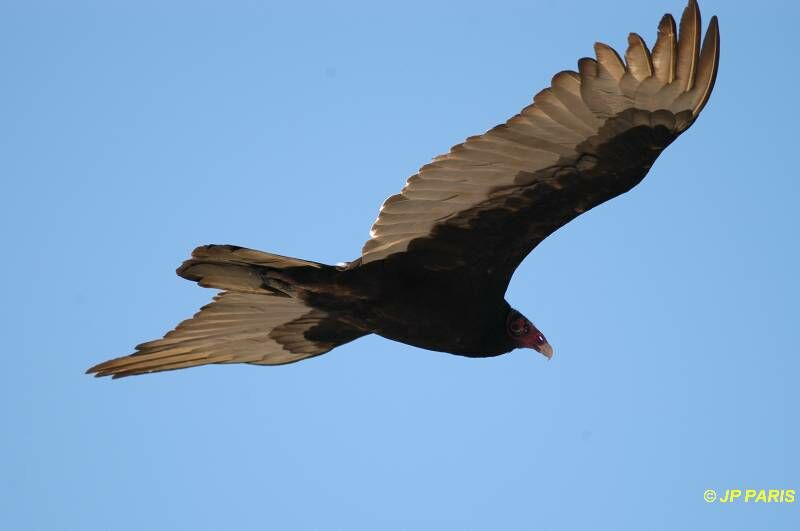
[(436, 267)]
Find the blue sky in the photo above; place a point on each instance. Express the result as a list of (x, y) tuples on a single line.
[(134, 131)]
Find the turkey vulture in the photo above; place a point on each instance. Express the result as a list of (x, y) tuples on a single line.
[(440, 255)]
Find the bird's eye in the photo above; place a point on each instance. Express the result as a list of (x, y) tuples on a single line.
[(540, 339)]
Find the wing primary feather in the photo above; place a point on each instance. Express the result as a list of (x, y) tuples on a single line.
[(688, 45), (665, 52), (609, 60), (587, 67), (708, 65), (637, 58)]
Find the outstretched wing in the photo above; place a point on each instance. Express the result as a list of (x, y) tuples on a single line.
[(238, 328), (589, 137)]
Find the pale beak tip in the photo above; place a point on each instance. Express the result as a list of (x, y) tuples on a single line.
[(547, 351)]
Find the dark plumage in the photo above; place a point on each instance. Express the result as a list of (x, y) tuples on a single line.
[(441, 254)]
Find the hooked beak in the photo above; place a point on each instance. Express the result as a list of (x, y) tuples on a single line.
[(546, 350)]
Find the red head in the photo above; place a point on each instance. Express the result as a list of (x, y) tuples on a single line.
[(525, 335)]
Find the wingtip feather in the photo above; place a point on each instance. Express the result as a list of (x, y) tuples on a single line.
[(609, 60), (708, 65), (665, 51), (688, 45), (638, 58), (587, 67)]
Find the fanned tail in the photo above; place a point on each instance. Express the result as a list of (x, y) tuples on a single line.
[(245, 270), (262, 318)]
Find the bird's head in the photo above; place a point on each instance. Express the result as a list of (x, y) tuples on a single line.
[(525, 335)]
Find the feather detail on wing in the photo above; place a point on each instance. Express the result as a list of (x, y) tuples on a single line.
[(591, 136), (237, 328)]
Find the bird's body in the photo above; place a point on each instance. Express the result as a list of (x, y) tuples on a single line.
[(442, 311), (441, 254)]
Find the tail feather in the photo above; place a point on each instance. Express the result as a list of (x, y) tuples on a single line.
[(264, 317), (240, 269), (233, 254)]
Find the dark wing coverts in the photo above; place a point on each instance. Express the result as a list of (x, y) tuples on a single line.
[(589, 137)]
